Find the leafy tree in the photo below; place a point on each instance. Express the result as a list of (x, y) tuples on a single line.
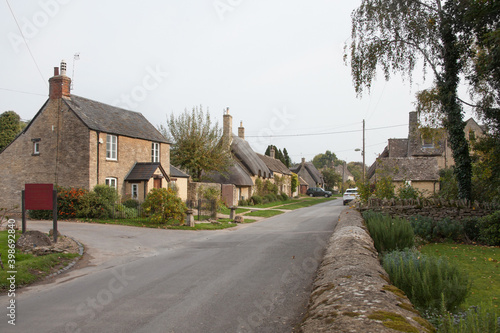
[(448, 186), (384, 188), (356, 170), (10, 126), (288, 160), (486, 169), (327, 159), (197, 144), (395, 35), (331, 177)]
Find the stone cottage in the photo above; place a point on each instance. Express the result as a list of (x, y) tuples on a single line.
[(416, 160), (309, 173), (76, 142), (282, 176)]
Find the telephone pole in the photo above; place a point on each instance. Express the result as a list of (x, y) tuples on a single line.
[(363, 152)]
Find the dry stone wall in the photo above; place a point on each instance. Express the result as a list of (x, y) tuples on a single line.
[(352, 292), (437, 209)]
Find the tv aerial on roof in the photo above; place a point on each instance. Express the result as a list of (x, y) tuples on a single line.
[(75, 57)]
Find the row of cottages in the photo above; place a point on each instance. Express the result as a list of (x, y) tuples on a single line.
[(238, 183), (309, 174), (76, 142), (416, 160)]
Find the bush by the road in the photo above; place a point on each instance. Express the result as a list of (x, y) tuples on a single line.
[(389, 233)]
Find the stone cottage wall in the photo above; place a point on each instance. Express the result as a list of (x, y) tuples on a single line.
[(63, 158)]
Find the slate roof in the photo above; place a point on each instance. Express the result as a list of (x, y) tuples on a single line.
[(340, 170), (398, 148), (144, 171), (113, 120), (177, 173), (274, 165), (248, 158), (410, 168)]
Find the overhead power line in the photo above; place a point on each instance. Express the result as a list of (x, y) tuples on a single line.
[(23, 92), (26, 43), (324, 133)]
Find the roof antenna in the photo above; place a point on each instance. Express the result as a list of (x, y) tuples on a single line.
[(75, 57)]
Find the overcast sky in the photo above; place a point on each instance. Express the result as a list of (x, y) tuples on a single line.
[(277, 64)]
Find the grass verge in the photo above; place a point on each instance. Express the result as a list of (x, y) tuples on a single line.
[(306, 203), (30, 268)]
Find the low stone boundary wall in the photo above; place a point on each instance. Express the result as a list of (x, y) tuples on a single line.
[(436, 209), (352, 292)]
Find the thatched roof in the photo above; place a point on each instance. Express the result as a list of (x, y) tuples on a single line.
[(248, 158), (274, 164)]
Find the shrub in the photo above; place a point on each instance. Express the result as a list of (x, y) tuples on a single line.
[(422, 226), (256, 199), (425, 279), (384, 188), (131, 203), (489, 229), (94, 206), (124, 212), (480, 319), (408, 192), (364, 191), (283, 197), (431, 230), (163, 206), (243, 202), (449, 229), (270, 197), (388, 233), (471, 228)]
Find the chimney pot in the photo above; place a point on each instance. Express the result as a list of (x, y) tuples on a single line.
[(241, 131), (59, 85), (303, 160)]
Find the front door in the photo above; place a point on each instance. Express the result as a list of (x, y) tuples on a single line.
[(157, 183)]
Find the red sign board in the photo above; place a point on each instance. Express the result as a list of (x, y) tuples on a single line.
[(38, 196)]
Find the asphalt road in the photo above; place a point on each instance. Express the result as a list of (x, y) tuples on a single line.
[(253, 278)]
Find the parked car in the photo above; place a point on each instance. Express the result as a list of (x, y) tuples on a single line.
[(350, 194), (318, 192)]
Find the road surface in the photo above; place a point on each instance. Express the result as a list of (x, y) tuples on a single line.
[(253, 278)]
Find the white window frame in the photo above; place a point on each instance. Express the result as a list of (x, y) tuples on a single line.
[(36, 148), (134, 192), (155, 152), (111, 147), (112, 182)]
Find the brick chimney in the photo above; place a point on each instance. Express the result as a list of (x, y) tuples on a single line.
[(59, 84), (241, 131), (227, 128), (272, 152)]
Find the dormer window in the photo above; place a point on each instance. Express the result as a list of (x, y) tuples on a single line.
[(36, 146), (155, 152), (111, 147)]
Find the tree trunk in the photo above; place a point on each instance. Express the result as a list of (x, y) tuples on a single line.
[(454, 124)]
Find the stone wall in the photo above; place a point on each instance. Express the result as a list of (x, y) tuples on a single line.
[(437, 209), (351, 292), (193, 189)]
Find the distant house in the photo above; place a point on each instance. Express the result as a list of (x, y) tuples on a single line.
[(309, 173), (76, 142), (280, 173), (416, 160)]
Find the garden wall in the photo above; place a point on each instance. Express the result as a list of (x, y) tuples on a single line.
[(436, 209)]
